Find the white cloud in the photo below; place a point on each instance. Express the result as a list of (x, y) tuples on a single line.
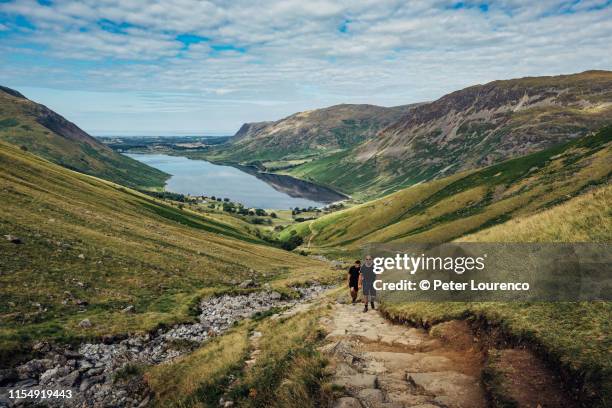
[(295, 54)]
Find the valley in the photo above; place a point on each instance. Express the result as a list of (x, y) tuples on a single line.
[(470, 128), (205, 271)]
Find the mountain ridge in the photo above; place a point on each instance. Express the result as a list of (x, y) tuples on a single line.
[(35, 127), (308, 133), (469, 128)]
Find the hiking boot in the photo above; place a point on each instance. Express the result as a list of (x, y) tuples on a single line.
[(373, 308), (365, 309)]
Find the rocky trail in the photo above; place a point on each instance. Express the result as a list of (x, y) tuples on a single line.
[(91, 370), (380, 364)]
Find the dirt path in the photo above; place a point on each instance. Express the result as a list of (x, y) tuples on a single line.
[(376, 363), (380, 364)]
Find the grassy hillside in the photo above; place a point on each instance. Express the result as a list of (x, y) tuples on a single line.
[(574, 337), (448, 208), (467, 129), (87, 248), (35, 128), (305, 136)]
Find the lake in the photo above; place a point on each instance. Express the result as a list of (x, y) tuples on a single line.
[(244, 185)]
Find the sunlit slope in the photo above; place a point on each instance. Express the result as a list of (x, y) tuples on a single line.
[(88, 241), (38, 129), (572, 336), (586, 218), (467, 129), (451, 207)]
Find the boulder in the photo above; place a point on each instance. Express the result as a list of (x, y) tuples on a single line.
[(49, 375), (249, 283), (129, 309), (70, 379), (85, 323), (347, 402), (371, 395), (13, 239)]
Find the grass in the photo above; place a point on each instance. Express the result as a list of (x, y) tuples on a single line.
[(200, 378), (85, 239), (414, 149), (445, 209), (30, 126), (288, 372), (586, 218), (574, 337)]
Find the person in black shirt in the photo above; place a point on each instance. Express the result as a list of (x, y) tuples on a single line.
[(353, 279)]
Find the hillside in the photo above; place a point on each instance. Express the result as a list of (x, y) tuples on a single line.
[(38, 129), (308, 134), (444, 209), (75, 247), (570, 336), (467, 129)]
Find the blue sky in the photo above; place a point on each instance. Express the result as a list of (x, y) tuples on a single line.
[(205, 67)]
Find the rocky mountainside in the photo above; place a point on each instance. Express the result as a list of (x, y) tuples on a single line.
[(470, 128), (466, 202), (309, 133), (38, 129)]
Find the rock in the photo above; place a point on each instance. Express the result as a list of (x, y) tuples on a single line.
[(85, 323), (70, 379), (48, 375), (41, 346), (227, 404), (25, 383), (357, 381), (347, 402), (33, 368), (72, 354), (129, 309), (81, 256), (275, 296), (13, 239), (81, 302), (371, 395), (94, 372), (249, 283)]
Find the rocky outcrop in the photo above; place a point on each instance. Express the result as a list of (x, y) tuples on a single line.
[(91, 370)]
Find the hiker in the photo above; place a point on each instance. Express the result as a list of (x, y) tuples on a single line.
[(353, 280), (367, 277)]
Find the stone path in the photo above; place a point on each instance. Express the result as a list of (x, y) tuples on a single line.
[(379, 364)]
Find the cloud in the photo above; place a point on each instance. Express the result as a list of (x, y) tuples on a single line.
[(293, 53)]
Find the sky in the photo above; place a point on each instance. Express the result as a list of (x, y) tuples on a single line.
[(172, 67)]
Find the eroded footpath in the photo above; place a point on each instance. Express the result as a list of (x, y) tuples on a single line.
[(376, 363)]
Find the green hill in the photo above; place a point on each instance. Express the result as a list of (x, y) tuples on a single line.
[(471, 128), (38, 129), (466, 202), (68, 238), (305, 136)]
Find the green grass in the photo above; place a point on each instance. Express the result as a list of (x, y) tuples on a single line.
[(415, 149), (26, 124), (288, 372), (113, 247), (573, 337), (445, 209)]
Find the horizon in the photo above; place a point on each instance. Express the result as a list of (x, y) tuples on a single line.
[(119, 69)]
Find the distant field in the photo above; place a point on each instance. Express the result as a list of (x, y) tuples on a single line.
[(88, 241)]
